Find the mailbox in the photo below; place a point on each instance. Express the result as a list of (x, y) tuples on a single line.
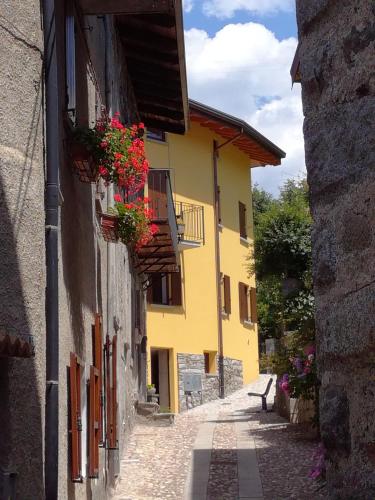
[(192, 381)]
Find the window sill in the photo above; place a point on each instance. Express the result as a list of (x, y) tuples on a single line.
[(244, 241), (211, 375), (162, 306), (157, 141), (248, 323)]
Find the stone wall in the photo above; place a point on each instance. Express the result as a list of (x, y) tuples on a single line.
[(233, 378), (338, 83)]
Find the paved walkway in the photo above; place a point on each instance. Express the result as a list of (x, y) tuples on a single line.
[(222, 450)]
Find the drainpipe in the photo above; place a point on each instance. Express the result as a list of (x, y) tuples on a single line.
[(216, 149), (52, 158)]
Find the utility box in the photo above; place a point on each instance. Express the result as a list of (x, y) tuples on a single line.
[(192, 381)]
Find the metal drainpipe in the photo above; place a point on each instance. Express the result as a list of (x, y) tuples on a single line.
[(218, 273), (52, 158), (216, 149)]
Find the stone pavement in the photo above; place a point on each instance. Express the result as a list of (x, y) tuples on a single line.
[(222, 450)]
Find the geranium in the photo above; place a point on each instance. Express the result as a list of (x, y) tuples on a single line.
[(118, 151), (134, 226)]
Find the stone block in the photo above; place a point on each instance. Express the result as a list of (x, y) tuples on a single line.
[(334, 424)]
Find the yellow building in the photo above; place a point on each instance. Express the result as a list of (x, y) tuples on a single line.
[(201, 321)]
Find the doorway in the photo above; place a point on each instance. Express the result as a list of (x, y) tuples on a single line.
[(160, 376)]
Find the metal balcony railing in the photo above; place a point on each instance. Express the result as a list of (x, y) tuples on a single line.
[(190, 221)]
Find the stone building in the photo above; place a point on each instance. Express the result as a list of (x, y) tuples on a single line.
[(337, 72), (70, 303)]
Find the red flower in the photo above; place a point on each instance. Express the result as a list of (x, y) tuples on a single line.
[(141, 125), (118, 198), (103, 171), (103, 144)]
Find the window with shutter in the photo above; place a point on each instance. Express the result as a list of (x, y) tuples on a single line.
[(253, 305), (98, 364), (75, 417), (242, 219), (244, 301), (176, 288), (227, 306), (94, 422)]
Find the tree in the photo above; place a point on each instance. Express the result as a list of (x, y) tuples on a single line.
[(283, 260)]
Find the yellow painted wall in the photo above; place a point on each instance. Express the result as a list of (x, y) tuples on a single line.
[(193, 327)]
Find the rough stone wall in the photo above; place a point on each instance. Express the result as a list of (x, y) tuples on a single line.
[(233, 378), (22, 272), (338, 83), (233, 375)]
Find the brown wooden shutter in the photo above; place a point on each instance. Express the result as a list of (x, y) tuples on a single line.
[(244, 311), (98, 363), (150, 292), (242, 217), (176, 289), (113, 435), (75, 417), (219, 203), (94, 422), (253, 305), (108, 393), (227, 298)]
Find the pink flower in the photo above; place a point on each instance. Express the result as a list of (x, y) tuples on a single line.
[(103, 144)]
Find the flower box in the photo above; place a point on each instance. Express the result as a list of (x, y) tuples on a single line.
[(83, 162), (109, 225)]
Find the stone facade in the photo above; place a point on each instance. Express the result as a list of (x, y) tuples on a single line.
[(338, 83), (233, 377)]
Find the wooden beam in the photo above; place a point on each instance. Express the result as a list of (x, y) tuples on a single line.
[(126, 7), (161, 111)]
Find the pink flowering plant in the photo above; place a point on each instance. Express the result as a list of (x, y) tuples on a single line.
[(134, 222), (118, 152), (301, 379)]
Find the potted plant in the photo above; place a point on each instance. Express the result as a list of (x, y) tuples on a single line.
[(129, 222), (151, 390), (111, 151)]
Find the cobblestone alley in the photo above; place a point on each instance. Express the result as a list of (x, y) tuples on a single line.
[(225, 449)]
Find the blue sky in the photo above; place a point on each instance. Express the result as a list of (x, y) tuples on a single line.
[(239, 54)]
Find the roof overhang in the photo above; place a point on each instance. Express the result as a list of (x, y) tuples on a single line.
[(153, 38), (295, 69), (238, 132)]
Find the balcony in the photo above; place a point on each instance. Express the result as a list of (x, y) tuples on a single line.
[(190, 224), (161, 254)]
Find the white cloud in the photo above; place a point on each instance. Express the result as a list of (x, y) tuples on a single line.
[(244, 70), (227, 8), (188, 5)]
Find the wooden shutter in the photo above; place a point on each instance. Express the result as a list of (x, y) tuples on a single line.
[(108, 394), (253, 305), (75, 417), (244, 310), (94, 422), (113, 434), (150, 292), (227, 298), (242, 217), (206, 362), (98, 364), (219, 204), (176, 289)]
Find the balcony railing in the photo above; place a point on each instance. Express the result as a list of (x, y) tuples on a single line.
[(190, 221)]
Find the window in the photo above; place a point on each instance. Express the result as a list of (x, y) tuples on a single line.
[(225, 295), (98, 364), (165, 289), (94, 422), (70, 62), (210, 363), (75, 393), (242, 219), (247, 301), (156, 135)]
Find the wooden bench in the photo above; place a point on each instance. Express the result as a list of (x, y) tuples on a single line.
[(264, 395)]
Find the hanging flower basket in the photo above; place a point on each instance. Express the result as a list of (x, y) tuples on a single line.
[(109, 225), (83, 162), (129, 222), (118, 152)]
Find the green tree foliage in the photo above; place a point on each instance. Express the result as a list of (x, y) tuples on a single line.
[(283, 260)]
